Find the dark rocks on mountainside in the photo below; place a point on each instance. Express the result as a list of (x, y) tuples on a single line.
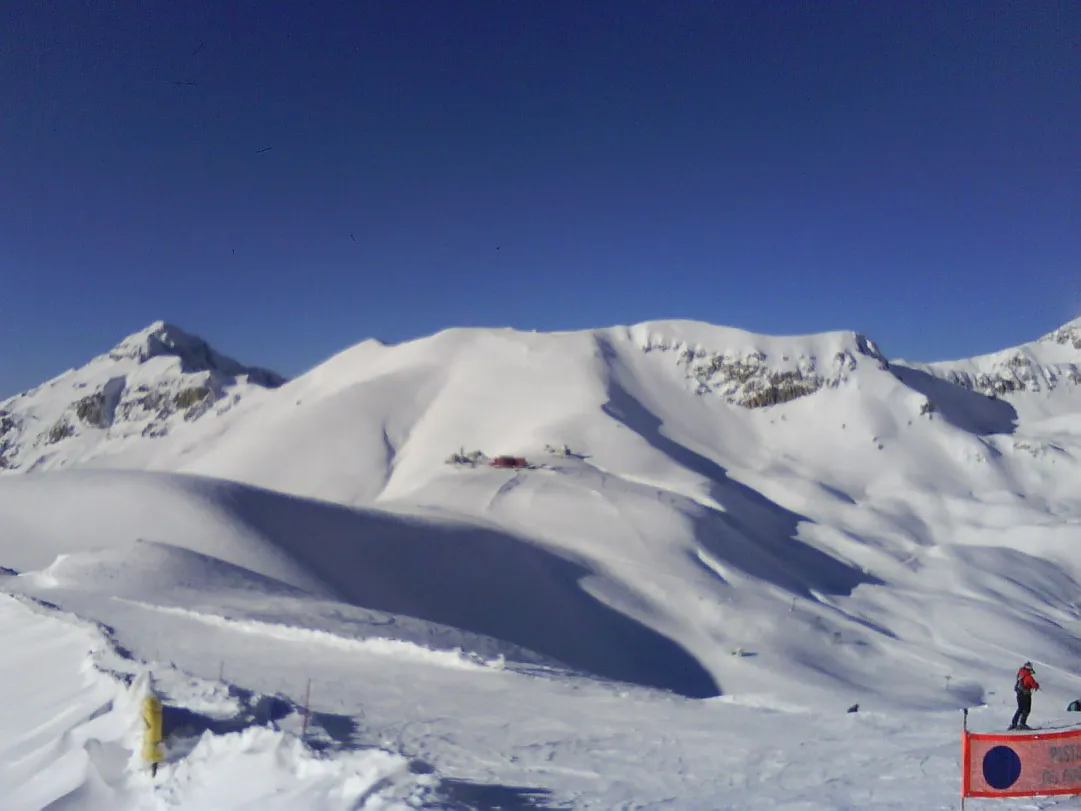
[(1069, 334), (750, 383), (154, 430), (193, 400), (97, 409), (91, 410), (993, 385), (61, 430), (8, 426), (738, 370), (781, 387), (151, 401), (1018, 373), (193, 395), (7, 423)]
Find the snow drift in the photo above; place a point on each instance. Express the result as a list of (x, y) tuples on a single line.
[(70, 739), (483, 582)]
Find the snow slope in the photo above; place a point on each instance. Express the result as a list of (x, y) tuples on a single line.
[(256, 552), (795, 523), (811, 527), (467, 735)]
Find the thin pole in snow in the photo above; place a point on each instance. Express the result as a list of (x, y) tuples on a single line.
[(221, 671), (964, 733), (307, 709)]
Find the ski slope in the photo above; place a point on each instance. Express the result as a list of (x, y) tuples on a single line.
[(721, 542)]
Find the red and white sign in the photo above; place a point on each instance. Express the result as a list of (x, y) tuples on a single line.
[(1032, 764)]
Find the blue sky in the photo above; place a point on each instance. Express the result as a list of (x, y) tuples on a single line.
[(908, 170)]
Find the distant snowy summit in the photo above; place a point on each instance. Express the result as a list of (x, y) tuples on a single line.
[(193, 353), (1040, 366), (1066, 334), (150, 382)]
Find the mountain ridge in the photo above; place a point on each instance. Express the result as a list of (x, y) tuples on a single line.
[(181, 373)]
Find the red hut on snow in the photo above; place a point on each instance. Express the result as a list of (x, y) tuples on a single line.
[(509, 461)]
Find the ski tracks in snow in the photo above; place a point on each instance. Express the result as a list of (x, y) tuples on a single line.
[(374, 645)]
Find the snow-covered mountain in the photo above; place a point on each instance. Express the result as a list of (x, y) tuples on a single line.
[(144, 387), (794, 524)]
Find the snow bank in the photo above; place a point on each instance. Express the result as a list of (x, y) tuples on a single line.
[(70, 738), (66, 729), (262, 768)]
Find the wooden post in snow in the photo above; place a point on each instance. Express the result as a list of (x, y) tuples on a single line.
[(307, 709)]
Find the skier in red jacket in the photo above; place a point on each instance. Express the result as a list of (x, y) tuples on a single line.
[(1026, 683)]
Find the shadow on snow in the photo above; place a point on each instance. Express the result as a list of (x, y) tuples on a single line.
[(755, 535), (968, 410), (479, 580)]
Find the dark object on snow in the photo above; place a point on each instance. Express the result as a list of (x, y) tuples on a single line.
[(1075, 706), (466, 794), (509, 461), (853, 708)]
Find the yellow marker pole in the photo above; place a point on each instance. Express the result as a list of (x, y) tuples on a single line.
[(152, 736)]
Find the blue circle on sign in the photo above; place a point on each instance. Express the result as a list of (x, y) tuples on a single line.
[(1001, 767)]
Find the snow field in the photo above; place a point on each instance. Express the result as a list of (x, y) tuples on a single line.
[(896, 538)]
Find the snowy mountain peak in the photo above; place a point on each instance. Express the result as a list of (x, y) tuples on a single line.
[(149, 384), (160, 338), (195, 354), (1069, 333), (1042, 366)]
